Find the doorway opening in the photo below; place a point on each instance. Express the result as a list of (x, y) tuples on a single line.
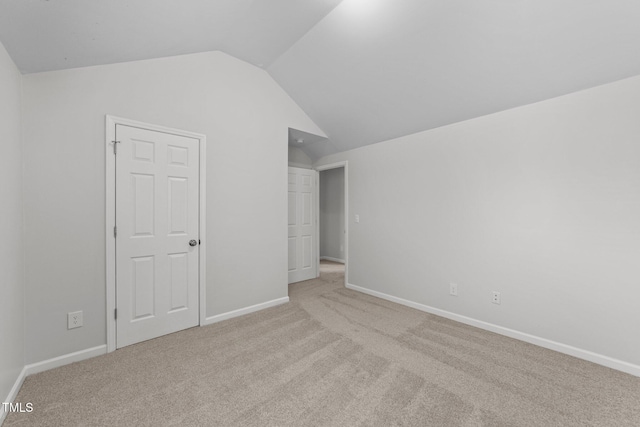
[(333, 214)]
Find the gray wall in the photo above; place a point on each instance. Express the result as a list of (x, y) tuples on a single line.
[(299, 159), (11, 243), (540, 203), (245, 116), (332, 213)]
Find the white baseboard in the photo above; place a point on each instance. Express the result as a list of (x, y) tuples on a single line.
[(242, 311), (45, 365), (13, 393), (66, 359), (328, 258), (600, 359)]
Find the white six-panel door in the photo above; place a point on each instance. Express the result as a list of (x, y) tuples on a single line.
[(302, 227), (157, 204)]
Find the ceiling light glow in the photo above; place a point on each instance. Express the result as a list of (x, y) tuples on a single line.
[(361, 8)]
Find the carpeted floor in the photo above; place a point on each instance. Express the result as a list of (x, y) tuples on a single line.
[(335, 357)]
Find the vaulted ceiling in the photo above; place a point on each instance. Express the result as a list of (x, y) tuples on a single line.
[(364, 70), (45, 35)]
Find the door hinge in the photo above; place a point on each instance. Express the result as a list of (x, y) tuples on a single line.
[(115, 231), (115, 147), (115, 313)]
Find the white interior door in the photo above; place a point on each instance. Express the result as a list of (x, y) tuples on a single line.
[(302, 224), (157, 241)]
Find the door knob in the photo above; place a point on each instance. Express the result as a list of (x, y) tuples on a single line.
[(193, 242)]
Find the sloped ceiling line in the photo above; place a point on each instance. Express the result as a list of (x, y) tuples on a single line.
[(365, 71)]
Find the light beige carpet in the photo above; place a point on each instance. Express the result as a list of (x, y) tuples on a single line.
[(332, 357)]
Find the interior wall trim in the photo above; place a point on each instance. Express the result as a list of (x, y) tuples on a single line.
[(590, 356), (45, 365), (246, 310), (65, 359), (11, 397)]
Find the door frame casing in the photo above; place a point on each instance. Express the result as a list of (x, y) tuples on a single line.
[(110, 223), (343, 164)]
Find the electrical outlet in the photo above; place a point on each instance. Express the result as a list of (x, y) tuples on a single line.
[(357, 218), (495, 298), (453, 289), (74, 320)]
